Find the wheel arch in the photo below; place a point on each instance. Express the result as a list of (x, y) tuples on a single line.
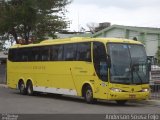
[(29, 81), (84, 86), (20, 81)]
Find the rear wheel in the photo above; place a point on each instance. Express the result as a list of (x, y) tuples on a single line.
[(29, 88), (22, 88), (88, 95), (121, 102)]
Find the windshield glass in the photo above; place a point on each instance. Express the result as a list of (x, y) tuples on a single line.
[(128, 63)]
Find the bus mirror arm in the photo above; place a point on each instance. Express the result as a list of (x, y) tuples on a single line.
[(108, 61)]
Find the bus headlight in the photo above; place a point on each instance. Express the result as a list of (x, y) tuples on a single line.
[(145, 90), (116, 89)]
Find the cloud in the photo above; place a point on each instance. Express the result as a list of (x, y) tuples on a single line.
[(125, 4), (82, 12)]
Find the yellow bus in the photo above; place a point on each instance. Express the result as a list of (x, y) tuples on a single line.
[(93, 68)]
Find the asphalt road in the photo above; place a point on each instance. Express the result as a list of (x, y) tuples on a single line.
[(12, 102)]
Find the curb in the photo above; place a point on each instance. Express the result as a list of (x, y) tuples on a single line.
[(154, 101), (3, 86), (150, 102)]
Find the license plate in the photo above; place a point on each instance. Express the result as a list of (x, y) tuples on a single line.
[(132, 96)]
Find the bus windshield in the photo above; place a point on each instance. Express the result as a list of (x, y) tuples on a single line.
[(128, 63)]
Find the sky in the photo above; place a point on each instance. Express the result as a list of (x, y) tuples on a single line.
[(143, 13)]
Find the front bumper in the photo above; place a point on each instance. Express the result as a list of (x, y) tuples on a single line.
[(128, 95)]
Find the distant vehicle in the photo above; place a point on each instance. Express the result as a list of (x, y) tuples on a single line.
[(155, 75), (94, 68), (155, 67)]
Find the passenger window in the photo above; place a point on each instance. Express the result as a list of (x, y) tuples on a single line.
[(45, 53), (23, 55), (70, 52), (84, 52), (100, 60), (54, 53), (57, 53), (60, 53), (11, 55), (34, 54)]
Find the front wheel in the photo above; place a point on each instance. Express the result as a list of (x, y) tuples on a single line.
[(88, 95)]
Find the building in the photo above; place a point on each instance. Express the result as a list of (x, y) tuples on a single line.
[(73, 34), (150, 37), (3, 58)]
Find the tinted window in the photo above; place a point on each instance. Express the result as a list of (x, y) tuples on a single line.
[(22, 54), (12, 55), (100, 61), (84, 52), (56, 52), (39, 54), (34, 54), (30, 54), (70, 52), (45, 53), (60, 53)]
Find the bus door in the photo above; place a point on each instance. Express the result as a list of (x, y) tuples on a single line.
[(101, 69), (82, 68)]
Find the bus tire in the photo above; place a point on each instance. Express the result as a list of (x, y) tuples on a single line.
[(30, 88), (121, 102), (88, 95), (22, 88)]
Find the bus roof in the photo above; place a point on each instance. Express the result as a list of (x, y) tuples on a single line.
[(78, 39)]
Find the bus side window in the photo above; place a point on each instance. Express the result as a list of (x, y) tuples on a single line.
[(70, 52), (84, 52), (60, 53), (11, 55), (45, 53), (54, 53), (24, 55), (100, 61)]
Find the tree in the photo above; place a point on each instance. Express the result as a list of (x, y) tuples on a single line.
[(92, 27), (1, 45), (26, 18)]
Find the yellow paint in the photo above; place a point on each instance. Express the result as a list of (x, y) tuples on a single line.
[(69, 74)]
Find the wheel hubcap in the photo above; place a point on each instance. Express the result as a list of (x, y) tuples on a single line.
[(22, 88), (88, 95), (29, 90)]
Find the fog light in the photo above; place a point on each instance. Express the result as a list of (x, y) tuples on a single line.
[(145, 90), (116, 89)]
